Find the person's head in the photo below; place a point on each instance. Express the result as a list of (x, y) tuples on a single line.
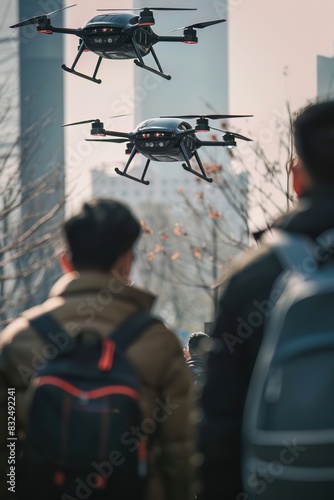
[(314, 142), (197, 345), (101, 237)]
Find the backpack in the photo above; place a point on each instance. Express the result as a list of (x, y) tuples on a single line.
[(288, 424), (83, 433)]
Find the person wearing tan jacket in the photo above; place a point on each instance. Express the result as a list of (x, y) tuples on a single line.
[(94, 293)]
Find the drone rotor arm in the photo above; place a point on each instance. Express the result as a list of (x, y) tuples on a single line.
[(170, 38), (66, 31), (122, 135), (212, 143), (117, 141), (222, 117), (211, 117), (144, 8)]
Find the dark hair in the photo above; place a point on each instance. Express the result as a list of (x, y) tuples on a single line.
[(103, 230), (314, 140), (197, 344)]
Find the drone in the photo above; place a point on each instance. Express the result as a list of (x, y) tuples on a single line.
[(167, 139), (118, 36)]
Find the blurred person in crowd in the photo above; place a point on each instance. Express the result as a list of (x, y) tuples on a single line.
[(97, 263), (196, 358), (244, 306)]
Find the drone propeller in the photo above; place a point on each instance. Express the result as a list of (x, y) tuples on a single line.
[(98, 126), (144, 8), (41, 18), (238, 136), (199, 25), (92, 121), (80, 123), (211, 117)]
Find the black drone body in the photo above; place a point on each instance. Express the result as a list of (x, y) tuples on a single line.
[(114, 36), (163, 139), (118, 36), (166, 139)]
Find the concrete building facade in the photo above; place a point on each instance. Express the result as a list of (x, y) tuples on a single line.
[(35, 98), (325, 77)]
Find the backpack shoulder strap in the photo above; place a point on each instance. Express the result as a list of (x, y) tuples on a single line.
[(131, 328), (326, 241), (47, 327), (294, 251)]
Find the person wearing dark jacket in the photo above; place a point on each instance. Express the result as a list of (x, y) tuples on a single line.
[(196, 354), (244, 307)]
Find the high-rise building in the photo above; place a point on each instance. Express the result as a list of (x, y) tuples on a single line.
[(35, 100), (325, 77)]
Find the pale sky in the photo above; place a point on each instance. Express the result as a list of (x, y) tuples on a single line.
[(265, 38), (268, 38)]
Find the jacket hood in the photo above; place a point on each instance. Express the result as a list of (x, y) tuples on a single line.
[(314, 214), (76, 283)]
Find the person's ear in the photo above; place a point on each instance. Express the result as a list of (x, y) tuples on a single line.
[(186, 353), (123, 265), (66, 263), (300, 179)]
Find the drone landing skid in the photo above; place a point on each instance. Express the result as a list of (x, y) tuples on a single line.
[(187, 165), (87, 77), (124, 174), (139, 62), (189, 169), (152, 70), (118, 171)]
